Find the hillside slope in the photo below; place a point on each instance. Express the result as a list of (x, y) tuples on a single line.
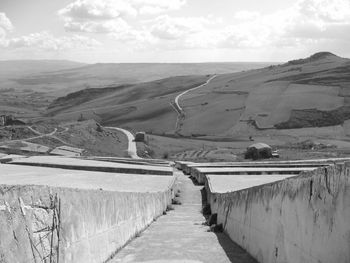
[(299, 94), (11, 68), (145, 106), (268, 98), (61, 82), (27, 87)]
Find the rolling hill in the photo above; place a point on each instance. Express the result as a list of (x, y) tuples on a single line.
[(27, 87), (304, 93), (61, 77), (16, 68)]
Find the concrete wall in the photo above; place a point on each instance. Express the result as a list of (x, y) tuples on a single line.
[(71, 225), (305, 219)]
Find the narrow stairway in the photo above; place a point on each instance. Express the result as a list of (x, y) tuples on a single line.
[(181, 236)]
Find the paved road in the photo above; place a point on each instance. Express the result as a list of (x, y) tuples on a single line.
[(181, 237), (186, 91), (132, 149)]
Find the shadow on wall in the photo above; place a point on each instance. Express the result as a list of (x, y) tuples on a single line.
[(234, 252)]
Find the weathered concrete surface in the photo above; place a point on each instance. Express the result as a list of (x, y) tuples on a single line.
[(30, 175), (24, 147), (5, 158), (216, 185), (232, 183), (67, 151), (188, 168), (60, 215), (129, 160), (91, 165), (199, 173), (181, 237), (71, 225), (303, 219)]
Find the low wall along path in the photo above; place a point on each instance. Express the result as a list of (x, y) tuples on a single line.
[(284, 212)]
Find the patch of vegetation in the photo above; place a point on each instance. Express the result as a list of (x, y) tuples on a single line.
[(82, 96), (165, 155), (176, 202), (314, 57), (315, 118), (309, 145), (169, 208), (335, 76), (206, 210)]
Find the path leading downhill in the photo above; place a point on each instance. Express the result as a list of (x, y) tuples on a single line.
[(189, 90), (177, 107), (132, 149), (180, 236)]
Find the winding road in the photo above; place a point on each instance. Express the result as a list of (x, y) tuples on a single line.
[(179, 110), (132, 150), (186, 91)]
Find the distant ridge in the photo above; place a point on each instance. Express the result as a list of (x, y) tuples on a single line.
[(315, 57), (22, 67)]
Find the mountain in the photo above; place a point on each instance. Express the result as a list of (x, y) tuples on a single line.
[(304, 93)]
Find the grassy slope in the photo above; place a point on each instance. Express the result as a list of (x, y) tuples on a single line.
[(267, 96), (82, 134), (27, 87), (144, 106), (221, 114)]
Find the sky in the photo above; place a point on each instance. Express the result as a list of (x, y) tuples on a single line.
[(173, 30)]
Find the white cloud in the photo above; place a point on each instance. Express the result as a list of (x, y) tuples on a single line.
[(5, 22), (42, 40), (109, 26), (46, 41), (307, 21), (246, 15), (326, 10), (97, 10), (151, 7), (135, 39), (322, 19), (111, 16), (170, 28), (5, 27), (304, 23)]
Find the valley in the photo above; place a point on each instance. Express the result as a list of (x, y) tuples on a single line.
[(213, 115)]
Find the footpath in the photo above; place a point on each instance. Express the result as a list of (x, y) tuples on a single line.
[(182, 236)]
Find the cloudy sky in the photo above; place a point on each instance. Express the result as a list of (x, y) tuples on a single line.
[(173, 30)]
